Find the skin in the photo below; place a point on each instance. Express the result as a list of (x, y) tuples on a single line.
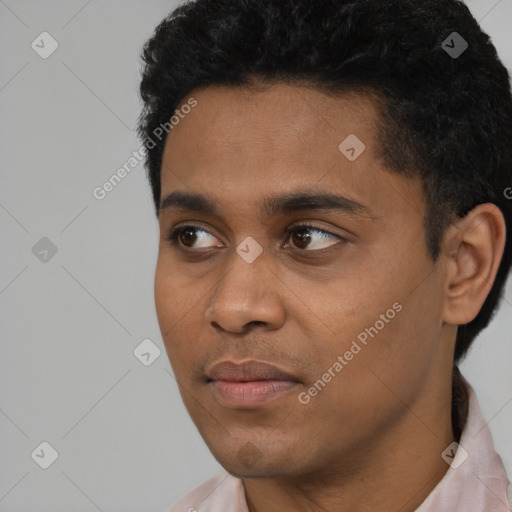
[(372, 438)]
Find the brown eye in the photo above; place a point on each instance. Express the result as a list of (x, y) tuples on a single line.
[(187, 236), (301, 239), (193, 237), (312, 238)]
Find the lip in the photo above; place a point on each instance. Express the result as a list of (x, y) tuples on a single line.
[(249, 384)]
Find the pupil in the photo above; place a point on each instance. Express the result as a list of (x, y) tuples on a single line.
[(188, 236), (303, 239)]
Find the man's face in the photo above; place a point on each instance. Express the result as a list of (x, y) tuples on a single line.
[(347, 307)]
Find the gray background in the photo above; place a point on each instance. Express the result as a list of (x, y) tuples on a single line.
[(70, 324)]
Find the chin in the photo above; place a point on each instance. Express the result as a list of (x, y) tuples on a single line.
[(258, 471), (251, 462)]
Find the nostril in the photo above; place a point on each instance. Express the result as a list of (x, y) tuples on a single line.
[(255, 322)]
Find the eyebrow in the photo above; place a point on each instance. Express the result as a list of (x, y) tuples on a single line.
[(272, 206)]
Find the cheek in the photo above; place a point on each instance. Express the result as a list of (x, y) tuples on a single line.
[(180, 310), (389, 307), (404, 352)]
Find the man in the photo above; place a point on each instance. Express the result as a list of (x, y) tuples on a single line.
[(330, 179)]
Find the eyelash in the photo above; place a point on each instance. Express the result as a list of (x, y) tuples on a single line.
[(172, 237)]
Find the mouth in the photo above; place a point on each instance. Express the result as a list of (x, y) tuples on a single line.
[(250, 384)]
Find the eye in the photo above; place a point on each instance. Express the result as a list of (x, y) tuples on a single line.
[(303, 236), (312, 238), (187, 236)]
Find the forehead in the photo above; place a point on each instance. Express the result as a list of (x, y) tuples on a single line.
[(277, 118), (241, 142)]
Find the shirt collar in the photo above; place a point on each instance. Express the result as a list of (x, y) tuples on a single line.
[(476, 479)]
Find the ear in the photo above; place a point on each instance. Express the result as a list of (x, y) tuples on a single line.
[(472, 249)]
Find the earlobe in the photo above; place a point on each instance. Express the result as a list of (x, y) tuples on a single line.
[(473, 248)]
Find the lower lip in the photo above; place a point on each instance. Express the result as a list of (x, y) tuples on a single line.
[(249, 394)]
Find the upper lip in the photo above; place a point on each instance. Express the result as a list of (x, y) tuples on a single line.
[(247, 371)]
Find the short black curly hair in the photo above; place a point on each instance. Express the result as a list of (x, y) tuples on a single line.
[(444, 117)]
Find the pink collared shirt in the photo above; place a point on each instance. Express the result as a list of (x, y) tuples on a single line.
[(475, 481)]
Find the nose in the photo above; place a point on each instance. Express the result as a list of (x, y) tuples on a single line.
[(247, 295)]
